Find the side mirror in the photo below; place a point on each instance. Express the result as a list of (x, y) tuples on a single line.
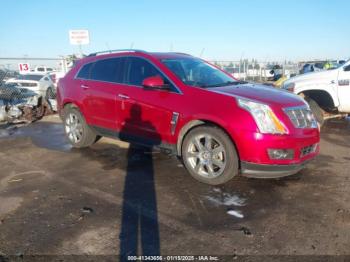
[(154, 82), (347, 68)]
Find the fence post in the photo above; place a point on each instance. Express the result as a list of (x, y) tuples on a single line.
[(260, 72), (244, 71)]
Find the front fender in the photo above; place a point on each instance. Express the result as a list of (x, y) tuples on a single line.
[(300, 88)]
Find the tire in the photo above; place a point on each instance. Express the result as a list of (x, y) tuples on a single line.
[(316, 110), (79, 134), (209, 155)]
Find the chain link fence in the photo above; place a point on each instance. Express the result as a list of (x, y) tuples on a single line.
[(28, 96), (258, 71)]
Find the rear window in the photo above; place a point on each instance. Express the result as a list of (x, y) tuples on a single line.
[(84, 72), (108, 70)]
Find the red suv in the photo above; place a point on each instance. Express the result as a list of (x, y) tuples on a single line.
[(219, 126)]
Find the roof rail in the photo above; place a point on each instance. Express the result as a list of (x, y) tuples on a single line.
[(116, 51), (179, 53)]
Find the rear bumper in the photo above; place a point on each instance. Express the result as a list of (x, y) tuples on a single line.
[(270, 171)]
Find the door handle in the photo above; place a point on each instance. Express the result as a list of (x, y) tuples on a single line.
[(84, 87), (333, 82), (123, 96)]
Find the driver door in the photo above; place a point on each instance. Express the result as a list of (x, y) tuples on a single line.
[(147, 114)]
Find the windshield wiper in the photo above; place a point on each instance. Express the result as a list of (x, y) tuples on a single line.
[(228, 83)]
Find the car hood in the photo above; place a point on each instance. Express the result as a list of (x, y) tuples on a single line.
[(261, 93), (314, 76)]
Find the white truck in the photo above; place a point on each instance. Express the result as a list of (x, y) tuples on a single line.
[(327, 92)]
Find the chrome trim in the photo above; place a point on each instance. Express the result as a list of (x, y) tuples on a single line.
[(160, 71), (302, 120), (173, 122), (123, 96), (296, 107)]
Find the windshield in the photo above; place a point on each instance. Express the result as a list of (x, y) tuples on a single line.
[(30, 77), (195, 72), (342, 63)]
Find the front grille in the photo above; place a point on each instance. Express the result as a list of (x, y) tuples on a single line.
[(301, 117), (308, 150)]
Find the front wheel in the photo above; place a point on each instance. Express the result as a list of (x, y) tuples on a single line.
[(78, 132), (209, 155)]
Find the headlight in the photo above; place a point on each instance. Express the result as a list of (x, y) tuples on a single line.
[(290, 87), (264, 117)]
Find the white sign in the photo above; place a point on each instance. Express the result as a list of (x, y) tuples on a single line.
[(23, 68), (79, 37)]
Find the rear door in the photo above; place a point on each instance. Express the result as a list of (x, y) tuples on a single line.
[(102, 89), (344, 88)]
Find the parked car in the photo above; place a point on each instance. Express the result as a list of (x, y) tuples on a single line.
[(327, 91), (42, 85), (14, 100), (218, 126), (273, 72), (312, 67), (42, 69), (36, 82), (56, 76)]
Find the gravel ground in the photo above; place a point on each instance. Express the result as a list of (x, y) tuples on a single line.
[(112, 197)]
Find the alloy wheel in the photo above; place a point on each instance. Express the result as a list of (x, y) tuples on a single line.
[(74, 128), (206, 156)]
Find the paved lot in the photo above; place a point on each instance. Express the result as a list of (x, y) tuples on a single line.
[(112, 197)]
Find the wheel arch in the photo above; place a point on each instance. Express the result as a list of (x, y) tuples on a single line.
[(195, 123), (72, 104), (322, 97)]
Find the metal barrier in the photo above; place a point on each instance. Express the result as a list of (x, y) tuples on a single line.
[(258, 71)]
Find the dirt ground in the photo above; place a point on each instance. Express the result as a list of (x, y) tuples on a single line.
[(112, 198)]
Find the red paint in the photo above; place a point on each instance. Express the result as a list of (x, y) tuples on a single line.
[(102, 105)]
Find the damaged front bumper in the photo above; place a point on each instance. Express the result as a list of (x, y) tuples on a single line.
[(20, 104)]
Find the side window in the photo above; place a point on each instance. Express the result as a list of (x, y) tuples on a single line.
[(84, 72), (347, 68), (109, 70), (138, 70)]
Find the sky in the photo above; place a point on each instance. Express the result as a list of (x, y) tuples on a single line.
[(267, 30)]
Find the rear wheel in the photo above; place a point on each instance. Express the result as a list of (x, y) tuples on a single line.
[(209, 155), (77, 131)]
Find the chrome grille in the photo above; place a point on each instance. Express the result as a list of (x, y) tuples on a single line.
[(301, 117)]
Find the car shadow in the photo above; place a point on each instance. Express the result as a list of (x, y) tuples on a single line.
[(139, 211)]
